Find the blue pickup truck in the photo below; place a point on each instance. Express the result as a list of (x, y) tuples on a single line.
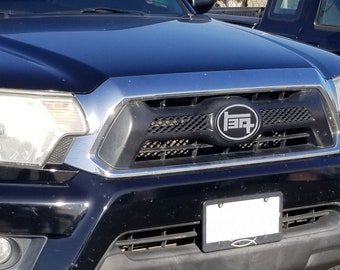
[(315, 22), (143, 135)]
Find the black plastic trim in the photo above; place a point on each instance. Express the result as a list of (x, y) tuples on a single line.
[(190, 133), (307, 247)]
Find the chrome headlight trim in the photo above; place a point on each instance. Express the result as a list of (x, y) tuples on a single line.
[(336, 92)]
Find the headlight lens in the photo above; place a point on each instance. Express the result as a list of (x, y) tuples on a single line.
[(31, 124)]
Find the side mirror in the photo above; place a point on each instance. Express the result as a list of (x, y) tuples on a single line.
[(202, 6)]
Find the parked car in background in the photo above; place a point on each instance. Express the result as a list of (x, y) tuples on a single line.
[(315, 22), (141, 135)]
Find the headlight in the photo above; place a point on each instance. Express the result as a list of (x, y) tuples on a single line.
[(32, 123)]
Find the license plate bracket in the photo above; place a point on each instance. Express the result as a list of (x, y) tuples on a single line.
[(242, 221)]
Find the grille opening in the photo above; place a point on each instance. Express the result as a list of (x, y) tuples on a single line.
[(286, 115), (300, 139), (298, 217), (273, 140), (184, 130), (153, 150), (165, 149), (276, 139), (190, 101), (183, 123), (172, 102), (166, 237)]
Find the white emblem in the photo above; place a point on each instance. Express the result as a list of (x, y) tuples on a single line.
[(244, 243), (237, 122)]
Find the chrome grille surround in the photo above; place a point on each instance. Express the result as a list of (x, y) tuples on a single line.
[(104, 105)]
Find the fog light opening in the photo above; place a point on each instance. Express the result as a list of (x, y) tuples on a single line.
[(5, 250)]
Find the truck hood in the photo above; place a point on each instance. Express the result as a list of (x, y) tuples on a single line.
[(77, 53)]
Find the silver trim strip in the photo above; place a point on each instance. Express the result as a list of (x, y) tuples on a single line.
[(103, 104)]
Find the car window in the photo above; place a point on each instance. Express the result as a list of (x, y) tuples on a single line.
[(329, 13), (151, 7), (286, 9)]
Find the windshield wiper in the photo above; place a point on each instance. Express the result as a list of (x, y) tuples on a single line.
[(105, 10), (98, 10)]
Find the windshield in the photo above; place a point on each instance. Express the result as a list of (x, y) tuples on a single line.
[(138, 7)]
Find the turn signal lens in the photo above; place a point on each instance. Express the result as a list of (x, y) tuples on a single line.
[(32, 123)]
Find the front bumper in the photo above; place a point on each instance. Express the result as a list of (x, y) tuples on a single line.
[(314, 247), (82, 219)]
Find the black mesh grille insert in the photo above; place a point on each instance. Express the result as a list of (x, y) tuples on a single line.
[(177, 148), (181, 123), (59, 153), (286, 115), (166, 149), (186, 123)]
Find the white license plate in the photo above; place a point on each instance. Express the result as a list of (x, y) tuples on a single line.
[(241, 222)]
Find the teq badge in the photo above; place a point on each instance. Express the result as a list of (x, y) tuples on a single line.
[(237, 122)]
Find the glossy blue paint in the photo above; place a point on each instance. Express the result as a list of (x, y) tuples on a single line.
[(78, 53)]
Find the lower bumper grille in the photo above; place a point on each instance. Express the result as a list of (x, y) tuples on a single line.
[(190, 233), (302, 216), (165, 237)]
